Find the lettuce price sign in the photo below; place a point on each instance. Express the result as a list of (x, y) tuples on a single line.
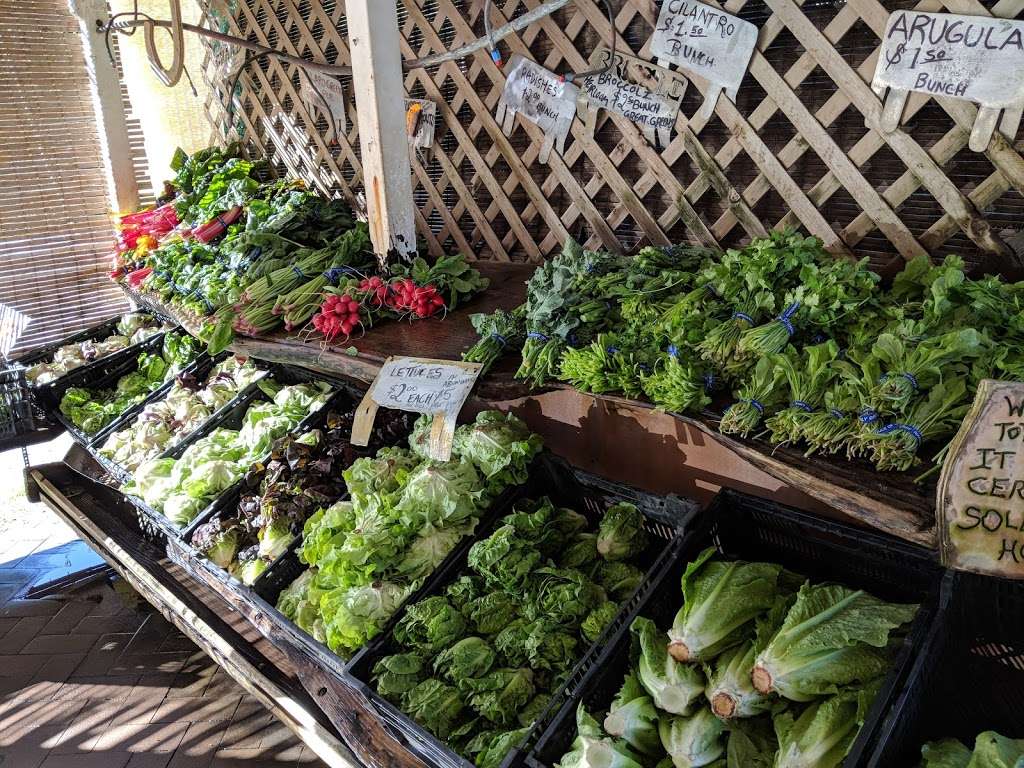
[(419, 385), (981, 490)]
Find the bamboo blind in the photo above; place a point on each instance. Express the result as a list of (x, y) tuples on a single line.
[(793, 150), (55, 227)]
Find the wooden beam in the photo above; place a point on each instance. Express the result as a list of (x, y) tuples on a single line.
[(380, 102), (111, 125)]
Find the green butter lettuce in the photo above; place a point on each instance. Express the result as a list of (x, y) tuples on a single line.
[(382, 474), (564, 596), (354, 615), (831, 637), (394, 676), (430, 625), (500, 446), (441, 494), (504, 560), (429, 548), (721, 599), (547, 527), (674, 686), (491, 613)]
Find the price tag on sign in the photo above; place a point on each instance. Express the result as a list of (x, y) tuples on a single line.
[(320, 91), (708, 42), (975, 58), (540, 96), (419, 385), (980, 505)]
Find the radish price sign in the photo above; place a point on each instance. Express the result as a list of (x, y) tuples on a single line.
[(419, 385), (540, 96), (975, 58), (706, 41), (320, 90), (980, 504)]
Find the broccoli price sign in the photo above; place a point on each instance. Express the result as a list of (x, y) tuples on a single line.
[(981, 490), (419, 385)]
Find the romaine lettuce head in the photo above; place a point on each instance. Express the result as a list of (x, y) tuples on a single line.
[(383, 474), (594, 749), (504, 560), (430, 625), (598, 619), (469, 657), (434, 705), (490, 613), (730, 691), (620, 580), (621, 533), (500, 694), (462, 591), (721, 599), (441, 494), (580, 552), (832, 636), (355, 615), (632, 717), (992, 750), (500, 446), (499, 745), (824, 732), (674, 686), (695, 740), (394, 676), (945, 753), (752, 743)]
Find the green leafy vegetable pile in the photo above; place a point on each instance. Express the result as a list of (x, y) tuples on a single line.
[(277, 497), (477, 665), (91, 410), (182, 488), (815, 352), (991, 750), (758, 670), (187, 406), (404, 514)]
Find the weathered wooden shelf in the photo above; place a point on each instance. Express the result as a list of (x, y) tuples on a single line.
[(889, 501)]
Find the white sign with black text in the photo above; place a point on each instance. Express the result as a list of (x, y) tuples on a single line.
[(320, 91), (975, 58), (706, 41), (540, 96)]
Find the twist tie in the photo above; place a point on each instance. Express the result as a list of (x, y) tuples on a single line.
[(743, 316), (836, 413), (299, 273), (537, 336), (786, 318), (759, 407), (613, 350), (913, 431), (673, 350), (644, 367), (802, 405), (499, 338), (869, 416), (709, 381)]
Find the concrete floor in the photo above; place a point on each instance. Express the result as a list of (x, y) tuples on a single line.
[(97, 679)]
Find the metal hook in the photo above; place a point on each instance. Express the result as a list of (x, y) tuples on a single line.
[(168, 77)]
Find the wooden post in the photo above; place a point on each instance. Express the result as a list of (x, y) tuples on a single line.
[(111, 125), (380, 100)]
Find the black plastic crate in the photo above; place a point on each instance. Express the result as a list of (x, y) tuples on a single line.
[(16, 413), (98, 332), (749, 528), (104, 375), (968, 676), (666, 517), (231, 417)]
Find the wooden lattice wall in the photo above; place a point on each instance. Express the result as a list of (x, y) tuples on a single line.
[(794, 149)]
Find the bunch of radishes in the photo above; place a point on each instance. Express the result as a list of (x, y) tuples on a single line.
[(420, 300), (338, 316)]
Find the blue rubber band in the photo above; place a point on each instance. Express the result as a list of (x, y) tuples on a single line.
[(673, 350), (537, 336), (818, 338), (836, 413), (743, 316), (786, 317), (758, 406), (500, 339), (299, 273), (644, 367), (869, 416), (802, 405), (709, 381), (913, 431), (712, 290), (613, 350), (912, 379)]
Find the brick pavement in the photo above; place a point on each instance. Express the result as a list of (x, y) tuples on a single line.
[(97, 679)]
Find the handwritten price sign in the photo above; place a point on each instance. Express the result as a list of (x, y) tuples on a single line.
[(419, 385), (981, 490)]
